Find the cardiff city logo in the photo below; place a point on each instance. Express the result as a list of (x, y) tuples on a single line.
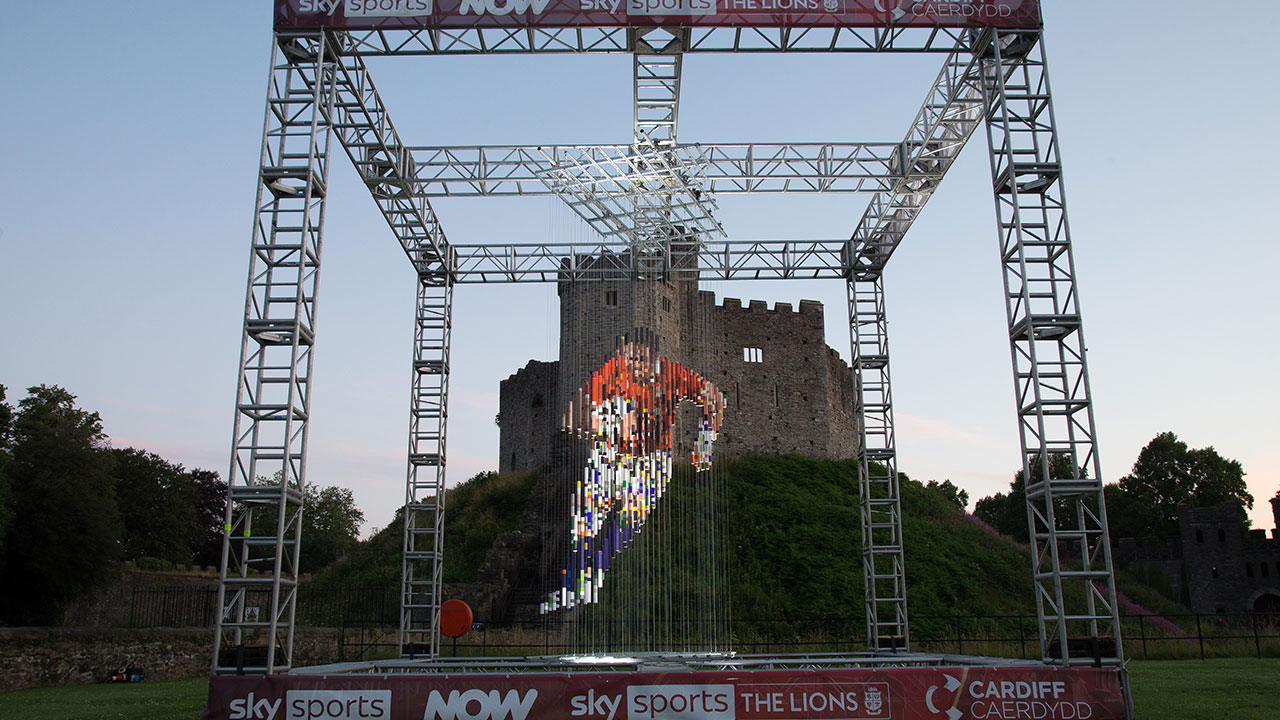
[(896, 11), (951, 685)]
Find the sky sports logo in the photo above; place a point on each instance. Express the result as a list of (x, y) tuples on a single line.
[(368, 8), (315, 705), (680, 702)]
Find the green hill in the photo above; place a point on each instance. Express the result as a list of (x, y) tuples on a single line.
[(793, 534)]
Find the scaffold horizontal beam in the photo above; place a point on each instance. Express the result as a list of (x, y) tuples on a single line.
[(489, 170), (946, 120), (518, 40), (718, 260)]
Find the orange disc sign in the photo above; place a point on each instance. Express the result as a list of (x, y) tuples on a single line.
[(455, 618)]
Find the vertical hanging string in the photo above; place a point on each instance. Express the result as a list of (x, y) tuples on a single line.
[(638, 560)]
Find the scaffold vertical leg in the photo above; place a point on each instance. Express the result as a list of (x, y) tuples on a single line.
[(1066, 510), (879, 502), (657, 58), (422, 568), (257, 592)]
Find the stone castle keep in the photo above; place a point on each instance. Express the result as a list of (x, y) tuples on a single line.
[(786, 391)]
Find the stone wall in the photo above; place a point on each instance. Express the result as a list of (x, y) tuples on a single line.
[(46, 657), (528, 414), (1213, 564), (781, 382), (1227, 570)]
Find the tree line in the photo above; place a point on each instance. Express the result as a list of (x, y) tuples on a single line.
[(1145, 502), (73, 508)]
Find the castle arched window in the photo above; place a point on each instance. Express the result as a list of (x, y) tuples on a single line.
[(1199, 536), (1222, 535), (752, 354)]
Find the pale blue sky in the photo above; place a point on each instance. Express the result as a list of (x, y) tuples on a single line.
[(128, 152)]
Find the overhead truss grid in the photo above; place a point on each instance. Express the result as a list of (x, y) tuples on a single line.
[(639, 198)]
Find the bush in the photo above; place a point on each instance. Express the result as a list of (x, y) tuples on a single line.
[(152, 564)]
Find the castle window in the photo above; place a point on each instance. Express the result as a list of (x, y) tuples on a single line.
[(611, 298), (1248, 569), (775, 395), (1214, 570), (752, 355), (1199, 536), (666, 304), (1222, 535)]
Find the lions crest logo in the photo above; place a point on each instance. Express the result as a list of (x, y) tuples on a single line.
[(872, 700)]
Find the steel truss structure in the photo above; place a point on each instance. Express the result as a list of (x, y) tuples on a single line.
[(635, 196)]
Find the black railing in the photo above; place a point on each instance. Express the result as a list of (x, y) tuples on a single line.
[(368, 617)]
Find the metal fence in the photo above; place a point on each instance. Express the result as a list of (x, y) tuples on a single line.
[(368, 617)]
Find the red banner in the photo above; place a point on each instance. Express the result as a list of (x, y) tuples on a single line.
[(417, 14), (935, 693)]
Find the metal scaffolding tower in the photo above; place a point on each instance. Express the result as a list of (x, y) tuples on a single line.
[(263, 527), (1067, 517), (639, 196)]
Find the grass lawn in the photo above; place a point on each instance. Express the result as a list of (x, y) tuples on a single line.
[(1238, 689), (162, 700), (1235, 688)]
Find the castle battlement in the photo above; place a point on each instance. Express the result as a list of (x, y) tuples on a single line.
[(807, 307)]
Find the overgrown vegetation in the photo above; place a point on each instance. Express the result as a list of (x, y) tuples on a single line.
[(796, 547), (477, 512)]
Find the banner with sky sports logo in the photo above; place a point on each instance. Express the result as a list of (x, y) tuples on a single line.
[(446, 14), (934, 693)]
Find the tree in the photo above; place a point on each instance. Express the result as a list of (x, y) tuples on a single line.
[(1007, 512), (1166, 474), (6, 422), (951, 491), (157, 502), (211, 509), (330, 526), (64, 528)]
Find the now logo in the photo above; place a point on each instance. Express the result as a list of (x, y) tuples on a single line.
[(479, 705), (502, 7)]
